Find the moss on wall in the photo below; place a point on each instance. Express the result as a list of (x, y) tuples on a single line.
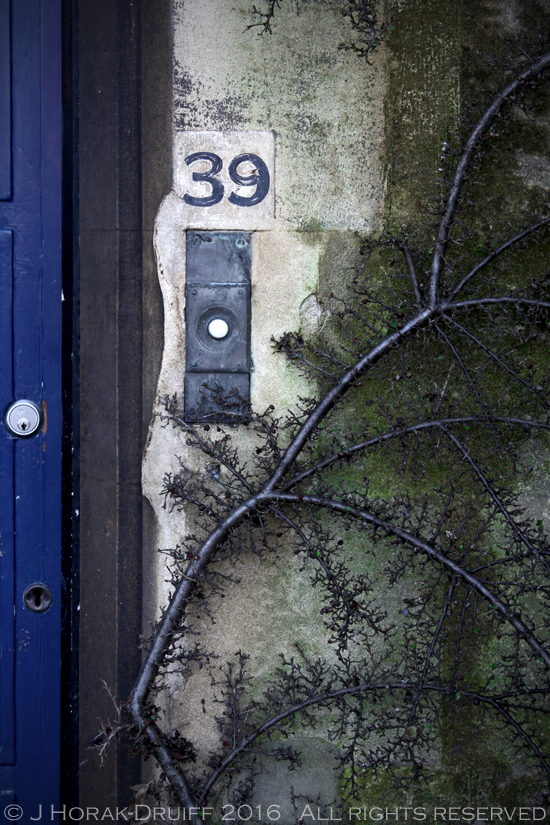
[(439, 72), (423, 99)]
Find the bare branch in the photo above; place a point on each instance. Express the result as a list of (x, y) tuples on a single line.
[(495, 254), (412, 273), (452, 199), (432, 552)]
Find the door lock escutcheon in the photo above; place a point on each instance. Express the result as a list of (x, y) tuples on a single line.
[(217, 316), (38, 598)]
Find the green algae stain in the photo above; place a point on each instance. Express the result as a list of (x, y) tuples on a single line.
[(424, 95), (482, 781)]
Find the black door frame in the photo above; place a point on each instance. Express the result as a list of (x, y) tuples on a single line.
[(118, 93)]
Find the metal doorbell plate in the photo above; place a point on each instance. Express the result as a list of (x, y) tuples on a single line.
[(218, 257), (221, 397), (217, 320), (206, 304)]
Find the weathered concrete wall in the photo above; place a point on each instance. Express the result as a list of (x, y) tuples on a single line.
[(327, 111)]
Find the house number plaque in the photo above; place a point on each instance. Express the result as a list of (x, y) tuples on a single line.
[(226, 179)]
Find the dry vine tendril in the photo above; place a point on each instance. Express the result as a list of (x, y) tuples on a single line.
[(473, 638), (367, 30)]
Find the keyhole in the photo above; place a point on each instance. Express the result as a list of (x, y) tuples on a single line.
[(37, 598), (22, 418)]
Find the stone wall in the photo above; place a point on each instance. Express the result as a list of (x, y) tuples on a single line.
[(356, 147)]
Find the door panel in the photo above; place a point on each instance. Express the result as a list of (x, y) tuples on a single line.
[(5, 101), (7, 567), (30, 367)]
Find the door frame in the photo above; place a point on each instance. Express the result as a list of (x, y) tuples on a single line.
[(122, 76)]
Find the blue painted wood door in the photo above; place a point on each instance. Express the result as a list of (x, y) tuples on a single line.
[(30, 368)]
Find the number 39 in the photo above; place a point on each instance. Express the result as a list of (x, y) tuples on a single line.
[(258, 178)]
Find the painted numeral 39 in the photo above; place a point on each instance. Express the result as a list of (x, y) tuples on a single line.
[(259, 178)]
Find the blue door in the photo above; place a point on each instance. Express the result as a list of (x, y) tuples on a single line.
[(30, 371)]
